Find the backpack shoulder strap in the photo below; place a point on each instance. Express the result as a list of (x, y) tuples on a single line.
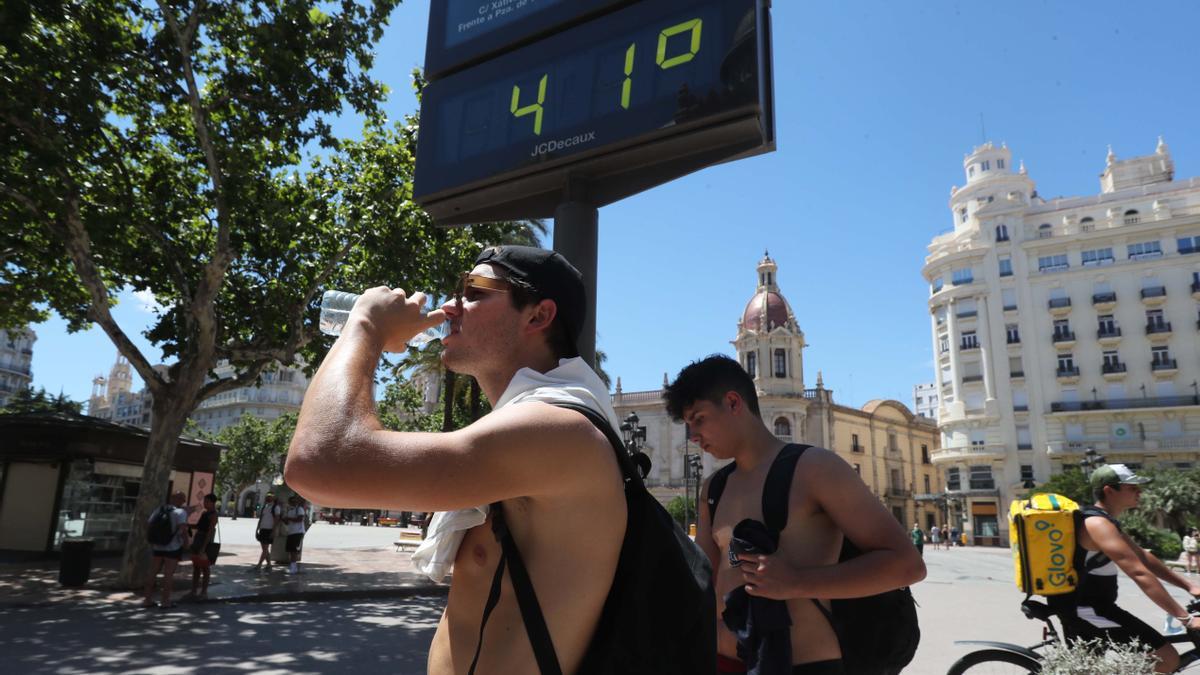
[(601, 423), (779, 485), (716, 487)]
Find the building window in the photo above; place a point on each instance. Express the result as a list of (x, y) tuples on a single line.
[(780, 363), (1001, 233), (783, 428), (1155, 320), (1000, 163), (971, 170), (981, 478), (953, 480), (1160, 357), (1066, 363), (962, 215), (927, 489), (936, 285), (1006, 267), (892, 445), (1097, 256), (1144, 249), (1188, 244), (1026, 473), (752, 364), (1015, 367), (1107, 325), (1012, 333), (1111, 360), (858, 470), (1062, 329), (969, 341), (1008, 298), (1131, 217), (985, 165), (854, 446), (962, 276), (1053, 263), (1045, 231), (925, 458)]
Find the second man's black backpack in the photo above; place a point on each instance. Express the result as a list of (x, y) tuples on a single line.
[(162, 527), (878, 634), (660, 614)]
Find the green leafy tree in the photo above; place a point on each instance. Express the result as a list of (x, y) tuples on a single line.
[(1070, 483), (26, 400), (255, 450), (184, 147)]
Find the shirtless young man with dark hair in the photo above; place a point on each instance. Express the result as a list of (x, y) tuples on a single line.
[(827, 501)]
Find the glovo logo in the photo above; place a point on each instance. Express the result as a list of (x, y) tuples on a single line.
[(1057, 572)]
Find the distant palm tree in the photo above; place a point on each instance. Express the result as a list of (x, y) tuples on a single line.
[(601, 357)]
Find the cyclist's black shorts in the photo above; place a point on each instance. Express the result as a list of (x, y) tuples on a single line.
[(1111, 622)]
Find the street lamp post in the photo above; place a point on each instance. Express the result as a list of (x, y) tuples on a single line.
[(635, 440), (692, 468), (1090, 461)]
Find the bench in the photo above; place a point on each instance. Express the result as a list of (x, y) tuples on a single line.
[(408, 541)]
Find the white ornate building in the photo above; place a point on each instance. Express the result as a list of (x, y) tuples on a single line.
[(113, 397), (281, 391), (16, 358), (885, 443), (1063, 324), (925, 400)]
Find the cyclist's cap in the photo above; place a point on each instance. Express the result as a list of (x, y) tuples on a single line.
[(550, 276), (1116, 474)]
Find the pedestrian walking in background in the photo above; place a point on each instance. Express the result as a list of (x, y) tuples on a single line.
[(954, 540), (1191, 550), (202, 556), (294, 518), (935, 536), (166, 555), (268, 523), (918, 538)]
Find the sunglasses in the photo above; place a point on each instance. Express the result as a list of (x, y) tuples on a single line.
[(468, 283)]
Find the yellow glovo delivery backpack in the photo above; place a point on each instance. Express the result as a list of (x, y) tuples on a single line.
[(1041, 533)]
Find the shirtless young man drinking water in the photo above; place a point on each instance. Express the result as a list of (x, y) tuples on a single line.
[(515, 319), (827, 500)]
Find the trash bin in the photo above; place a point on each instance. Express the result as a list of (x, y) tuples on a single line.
[(76, 563)]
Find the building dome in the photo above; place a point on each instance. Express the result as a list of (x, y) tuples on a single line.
[(768, 308)]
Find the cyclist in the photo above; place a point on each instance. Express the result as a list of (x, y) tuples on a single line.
[(1091, 611)]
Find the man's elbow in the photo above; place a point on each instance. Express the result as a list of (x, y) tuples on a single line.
[(912, 567), (302, 466)]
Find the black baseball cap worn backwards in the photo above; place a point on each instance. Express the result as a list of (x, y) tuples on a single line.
[(551, 276)]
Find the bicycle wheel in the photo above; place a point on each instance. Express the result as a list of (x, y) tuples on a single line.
[(995, 662)]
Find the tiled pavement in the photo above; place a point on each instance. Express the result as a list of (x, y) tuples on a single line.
[(325, 574)]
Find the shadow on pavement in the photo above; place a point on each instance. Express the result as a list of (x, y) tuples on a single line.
[(295, 637)]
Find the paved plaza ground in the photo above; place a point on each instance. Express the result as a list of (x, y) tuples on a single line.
[(968, 594)]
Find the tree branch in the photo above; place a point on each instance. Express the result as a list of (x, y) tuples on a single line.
[(246, 378), (79, 247)]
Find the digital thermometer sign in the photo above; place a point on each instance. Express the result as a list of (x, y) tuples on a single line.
[(623, 102)]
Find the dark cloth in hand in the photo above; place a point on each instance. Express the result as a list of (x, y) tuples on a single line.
[(762, 626)]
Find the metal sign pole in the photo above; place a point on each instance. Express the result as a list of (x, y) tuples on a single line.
[(576, 236)]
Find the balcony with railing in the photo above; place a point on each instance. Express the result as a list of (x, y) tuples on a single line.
[(973, 452), (967, 379), (1113, 370), (899, 493), (1067, 373), (1123, 445), (967, 345), (1059, 306), (1063, 338), (1164, 366), (1125, 403), (1154, 295), (1158, 329), (1104, 302), (857, 448), (1108, 334)]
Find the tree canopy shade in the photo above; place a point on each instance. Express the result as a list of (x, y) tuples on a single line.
[(184, 148)]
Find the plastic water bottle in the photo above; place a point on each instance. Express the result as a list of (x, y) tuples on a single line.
[(335, 309)]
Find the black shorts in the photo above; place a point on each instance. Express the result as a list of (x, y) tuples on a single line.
[(293, 542), (176, 554), (264, 535), (1109, 622)]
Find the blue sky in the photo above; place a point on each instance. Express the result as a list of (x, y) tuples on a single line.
[(876, 102)]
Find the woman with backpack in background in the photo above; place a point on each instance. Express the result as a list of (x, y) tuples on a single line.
[(202, 561)]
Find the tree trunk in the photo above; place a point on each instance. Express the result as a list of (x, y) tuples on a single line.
[(168, 422), (447, 401)]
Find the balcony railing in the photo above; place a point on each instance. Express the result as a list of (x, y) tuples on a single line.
[(1013, 339), (1068, 372), (1108, 368), (1020, 408), (1164, 364), (1064, 336), (1105, 333), (964, 346), (1158, 327), (966, 313), (1017, 373), (856, 448), (1125, 403), (1102, 298), (972, 378), (1154, 292), (1010, 308), (899, 493), (1059, 303)]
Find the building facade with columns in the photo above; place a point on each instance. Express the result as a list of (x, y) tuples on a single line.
[(1063, 325), (889, 446), (16, 359)]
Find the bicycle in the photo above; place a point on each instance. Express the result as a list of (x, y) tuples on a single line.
[(1004, 657)]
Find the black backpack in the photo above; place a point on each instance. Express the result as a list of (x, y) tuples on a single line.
[(878, 634), (660, 614), (162, 527)]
